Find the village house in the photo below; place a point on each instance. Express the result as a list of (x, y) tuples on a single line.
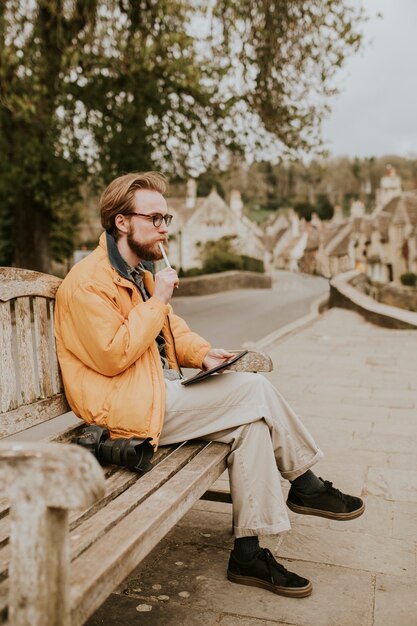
[(315, 247), (386, 240), (383, 244), (198, 220)]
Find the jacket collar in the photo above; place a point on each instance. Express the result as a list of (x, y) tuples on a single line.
[(117, 261)]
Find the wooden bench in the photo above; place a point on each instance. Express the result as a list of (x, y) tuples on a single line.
[(70, 530)]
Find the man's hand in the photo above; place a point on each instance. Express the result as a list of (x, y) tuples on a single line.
[(165, 281), (216, 357)]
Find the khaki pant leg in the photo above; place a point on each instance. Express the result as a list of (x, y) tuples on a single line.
[(246, 411)]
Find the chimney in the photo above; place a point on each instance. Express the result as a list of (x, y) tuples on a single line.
[(236, 204), (338, 214), (294, 222), (191, 197)]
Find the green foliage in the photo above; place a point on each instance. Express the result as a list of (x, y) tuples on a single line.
[(192, 271), (304, 209), (409, 279), (324, 207), (220, 256), (319, 183), (250, 264), (94, 88), (289, 53), (207, 181), (40, 164)]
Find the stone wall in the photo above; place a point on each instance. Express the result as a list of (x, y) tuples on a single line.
[(223, 281), (396, 295), (348, 291)]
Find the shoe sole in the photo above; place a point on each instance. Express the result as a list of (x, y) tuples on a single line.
[(305, 510), (288, 592)]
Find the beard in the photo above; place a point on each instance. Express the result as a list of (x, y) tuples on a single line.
[(145, 251)]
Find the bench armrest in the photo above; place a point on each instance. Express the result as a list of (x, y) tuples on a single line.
[(253, 361), (43, 481)]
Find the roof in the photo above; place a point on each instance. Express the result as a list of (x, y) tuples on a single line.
[(179, 206), (270, 241), (290, 246), (410, 203), (313, 239), (342, 248)]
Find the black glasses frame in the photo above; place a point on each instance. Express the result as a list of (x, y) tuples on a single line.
[(157, 218)]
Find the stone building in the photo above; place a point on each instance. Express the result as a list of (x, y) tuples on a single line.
[(392, 239), (198, 220)]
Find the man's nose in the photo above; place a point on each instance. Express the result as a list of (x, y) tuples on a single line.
[(163, 228)]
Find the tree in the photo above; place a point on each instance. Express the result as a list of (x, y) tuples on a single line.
[(304, 209), (289, 52), (324, 207), (94, 88), (40, 164)]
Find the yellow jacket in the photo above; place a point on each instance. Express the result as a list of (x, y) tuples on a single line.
[(105, 335)]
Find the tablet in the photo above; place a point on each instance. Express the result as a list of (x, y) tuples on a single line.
[(206, 373)]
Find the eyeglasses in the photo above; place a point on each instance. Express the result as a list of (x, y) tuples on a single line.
[(157, 218)]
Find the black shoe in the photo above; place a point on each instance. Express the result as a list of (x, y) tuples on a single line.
[(328, 502), (264, 571)]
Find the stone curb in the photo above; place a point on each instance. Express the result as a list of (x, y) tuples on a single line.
[(316, 310), (343, 294), (208, 284)]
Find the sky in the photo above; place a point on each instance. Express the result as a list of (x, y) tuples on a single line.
[(376, 111)]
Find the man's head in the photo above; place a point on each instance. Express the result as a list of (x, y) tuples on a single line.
[(134, 211)]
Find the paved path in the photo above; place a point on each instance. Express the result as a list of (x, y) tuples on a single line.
[(355, 386), (230, 318)]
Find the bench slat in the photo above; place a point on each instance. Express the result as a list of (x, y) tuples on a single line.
[(118, 480), (117, 509), (42, 343), (27, 416), (56, 374), (124, 491), (16, 282), (8, 387), (25, 350), (97, 571)]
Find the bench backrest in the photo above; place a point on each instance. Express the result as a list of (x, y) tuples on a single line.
[(31, 390)]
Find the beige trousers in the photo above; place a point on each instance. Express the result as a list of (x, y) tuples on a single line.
[(267, 440)]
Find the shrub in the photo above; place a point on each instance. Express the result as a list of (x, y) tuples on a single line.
[(250, 264), (219, 256), (409, 279), (193, 271)]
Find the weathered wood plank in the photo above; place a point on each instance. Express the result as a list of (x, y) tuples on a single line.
[(29, 415), (99, 570), (25, 350), (118, 508), (119, 480), (8, 387), (253, 361), (44, 481), (42, 343), (16, 282), (56, 372)]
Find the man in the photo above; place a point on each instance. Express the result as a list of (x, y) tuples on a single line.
[(121, 348)]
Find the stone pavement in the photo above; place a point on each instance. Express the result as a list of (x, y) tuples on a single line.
[(355, 386)]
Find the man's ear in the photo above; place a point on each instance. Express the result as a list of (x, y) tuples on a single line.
[(121, 223)]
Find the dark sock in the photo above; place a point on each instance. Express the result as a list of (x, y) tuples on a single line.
[(245, 548), (308, 483)]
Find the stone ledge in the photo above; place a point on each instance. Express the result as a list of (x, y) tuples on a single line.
[(343, 294), (223, 281)]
